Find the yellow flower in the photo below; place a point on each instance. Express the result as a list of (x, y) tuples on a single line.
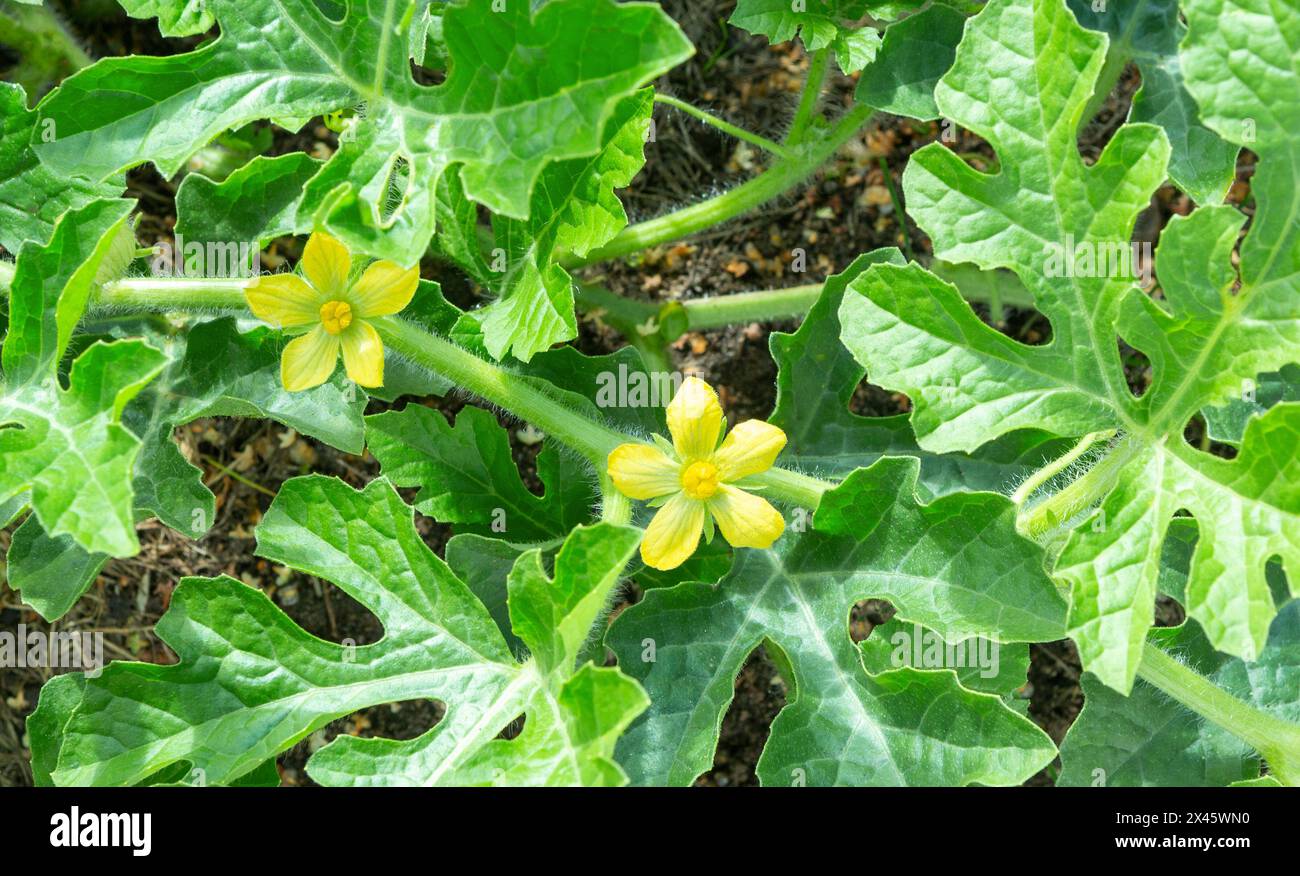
[(336, 311), (692, 479)]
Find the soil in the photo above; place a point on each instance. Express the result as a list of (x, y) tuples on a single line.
[(847, 210)]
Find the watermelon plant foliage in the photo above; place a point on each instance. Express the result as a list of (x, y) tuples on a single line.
[(584, 619)]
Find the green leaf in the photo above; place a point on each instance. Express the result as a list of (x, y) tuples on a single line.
[(59, 697), (212, 370), (484, 565), (1227, 423), (51, 573), (1148, 32), (955, 566), (969, 384), (176, 18), (217, 371), (914, 54), (467, 474), (573, 210), (524, 89), (816, 379), (256, 203), (250, 683), (1148, 738), (32, 198), (68, 445), (1246, 510), (819, 23), (979, 663), (615, 387)]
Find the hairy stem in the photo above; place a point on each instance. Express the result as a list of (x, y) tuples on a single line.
[(1116, 60), (699, 314), (186, 294), (48, 48), (771, 304), (499, 386), (1079, 495), (626, 314), (726, 127), (1276, 740), (818, 66), (614, 506), (496, 384), (896, 200), (771, 183), (1054, 468)]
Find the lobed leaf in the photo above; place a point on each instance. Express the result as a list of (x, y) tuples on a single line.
[(176, 18), (819, 24), (913, 55), (816, 379), (250, 683), (525, 88), (1149, 739), (212, 370), (1148, 32), (68, 446), (467, 475), (32, 198), (1217, 328), (954, 566)]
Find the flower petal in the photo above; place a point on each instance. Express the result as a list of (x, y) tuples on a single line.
[(327, 263), (643, 472), (363, 354), (309, 360), (384, 289), (746, 520), (751, 447), (283, 300), (673, 534), (694, 419)]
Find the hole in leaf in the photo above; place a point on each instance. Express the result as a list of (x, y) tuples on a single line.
[(403, 720), (1055, 697), (335, 10), (866, 615), (1023, 324), (514, 728), (759, 694), (427, 76), (870, 400), (323, 609), (1137, 369), (1112, 112), (1195, 433)]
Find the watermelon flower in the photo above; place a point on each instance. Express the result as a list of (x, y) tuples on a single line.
[(692, 480), (329, 309)]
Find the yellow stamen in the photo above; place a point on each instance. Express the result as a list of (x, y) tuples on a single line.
[(335, 316), (700, 480)]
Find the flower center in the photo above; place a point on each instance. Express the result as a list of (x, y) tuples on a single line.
[(335, 316), (700, 480)]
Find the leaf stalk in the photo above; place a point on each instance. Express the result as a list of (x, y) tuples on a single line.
[(782, 176), (494, 383), (724, 126), (1276, 740)]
